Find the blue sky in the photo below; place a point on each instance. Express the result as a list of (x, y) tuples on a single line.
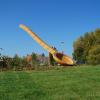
[(54, 21)]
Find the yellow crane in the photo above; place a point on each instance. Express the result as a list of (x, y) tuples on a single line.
[(60, 58)]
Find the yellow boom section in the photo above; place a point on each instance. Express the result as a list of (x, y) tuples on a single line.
[(37, 39)]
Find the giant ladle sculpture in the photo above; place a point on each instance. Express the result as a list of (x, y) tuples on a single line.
[(60, 58)]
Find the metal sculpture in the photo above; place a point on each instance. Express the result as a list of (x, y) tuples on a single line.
[(60, 58)]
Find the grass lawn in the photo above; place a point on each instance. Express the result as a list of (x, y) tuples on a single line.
[(74, 83)]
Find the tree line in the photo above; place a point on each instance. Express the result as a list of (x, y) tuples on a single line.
[(28, 62), (87, 48)]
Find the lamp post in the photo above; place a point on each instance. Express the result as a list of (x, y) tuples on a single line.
[(62, 44)]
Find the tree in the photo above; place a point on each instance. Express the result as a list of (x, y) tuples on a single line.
[(35, 61), (43, 55), (78, 54), (85, 46), (97, 36), (34, 57), (94, 55), (17, 62)]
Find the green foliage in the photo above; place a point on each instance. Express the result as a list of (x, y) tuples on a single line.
[(43, 55), (35, 62), (83, 48), (34, 57), (94, 55), (16, 62)]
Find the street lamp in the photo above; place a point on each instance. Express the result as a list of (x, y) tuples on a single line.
[(62, 43)]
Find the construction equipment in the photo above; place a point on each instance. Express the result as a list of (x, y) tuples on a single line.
[(60, 58)]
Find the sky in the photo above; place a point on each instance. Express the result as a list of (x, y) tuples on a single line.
[(54, 21)]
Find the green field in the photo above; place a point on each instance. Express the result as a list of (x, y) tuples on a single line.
[(72, 83)]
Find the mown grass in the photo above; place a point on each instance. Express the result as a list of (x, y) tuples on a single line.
[(75, 83)]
